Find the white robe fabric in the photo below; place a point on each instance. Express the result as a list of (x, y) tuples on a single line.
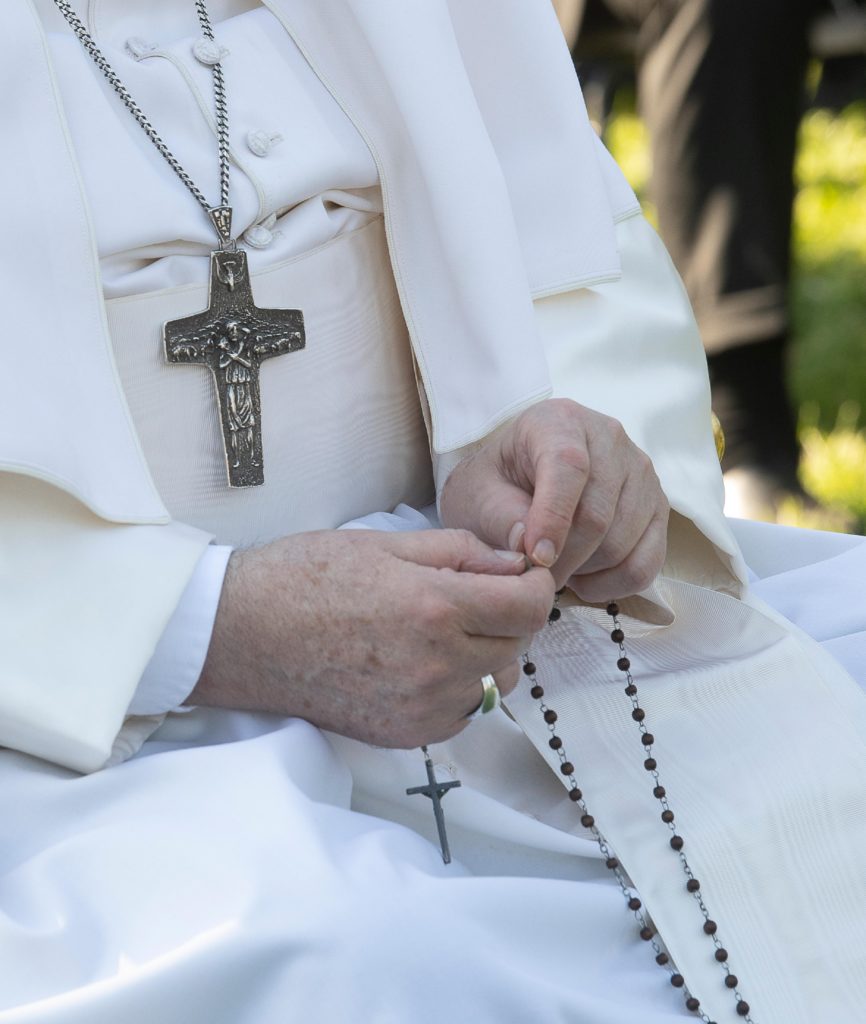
[(225, 873)]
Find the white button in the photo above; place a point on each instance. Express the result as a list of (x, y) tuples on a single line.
[(261, 143), (260, 236), (208, 51), (139, 48)]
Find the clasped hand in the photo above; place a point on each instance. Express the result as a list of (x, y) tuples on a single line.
[(384, 637)]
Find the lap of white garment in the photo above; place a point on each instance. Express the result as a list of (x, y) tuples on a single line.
[(222, 877)]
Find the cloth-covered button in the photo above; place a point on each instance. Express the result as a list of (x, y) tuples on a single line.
[(139, 48), (208, 51), (260, 236), (261, 143)]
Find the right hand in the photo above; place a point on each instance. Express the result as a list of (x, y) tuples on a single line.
[(383, 637)]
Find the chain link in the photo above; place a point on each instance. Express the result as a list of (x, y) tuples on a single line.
[(222, 121)]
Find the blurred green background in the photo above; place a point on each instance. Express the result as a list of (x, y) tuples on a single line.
[(828, 370)]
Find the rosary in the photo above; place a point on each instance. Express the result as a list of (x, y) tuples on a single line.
[(435, 791)]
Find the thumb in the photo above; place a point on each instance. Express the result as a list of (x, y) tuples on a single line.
[(459, 550)]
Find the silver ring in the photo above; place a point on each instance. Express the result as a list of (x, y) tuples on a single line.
[(491, 698)]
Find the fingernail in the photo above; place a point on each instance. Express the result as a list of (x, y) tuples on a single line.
[(544, 553), (510, 556), (516, 536)]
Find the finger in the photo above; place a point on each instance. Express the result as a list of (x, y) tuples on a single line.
[(560, 476), (459, 550), (498, 607), (634, 574), (635, 507)]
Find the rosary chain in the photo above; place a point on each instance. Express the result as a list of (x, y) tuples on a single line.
[(99, 58), (647, 929)]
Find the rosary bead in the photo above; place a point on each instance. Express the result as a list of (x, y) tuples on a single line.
[(659, 792), (732, 981), (647, 739), (743, 1008), (646, 934), (575, 795), (537, 692), (550, 716), (677, 980), (677, 842), (554, 743), (650, 764), (721, 954), (692, 1004), (693, 885), (587, 821), (613, 609), (710, 927), (555, 615), (623, 664), (634, 903), (529, 668), (567, 768), (667, 817), (611, 863), (617, 636), (630, 690), (662, 959), (638, 714)]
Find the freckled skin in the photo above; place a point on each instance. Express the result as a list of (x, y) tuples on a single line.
[(385, 637)]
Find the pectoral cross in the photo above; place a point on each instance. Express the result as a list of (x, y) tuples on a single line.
[(436, 790), (233, 337)]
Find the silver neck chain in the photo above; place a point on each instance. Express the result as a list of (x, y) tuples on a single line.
[(222, 121)]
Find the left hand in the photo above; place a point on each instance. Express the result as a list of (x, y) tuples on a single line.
[(566, 486)]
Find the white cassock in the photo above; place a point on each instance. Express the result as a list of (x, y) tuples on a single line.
[(421, 180)]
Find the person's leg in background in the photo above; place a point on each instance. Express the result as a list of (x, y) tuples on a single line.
[(720, 85)]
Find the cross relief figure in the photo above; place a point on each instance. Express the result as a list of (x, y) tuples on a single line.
[(233, 337)]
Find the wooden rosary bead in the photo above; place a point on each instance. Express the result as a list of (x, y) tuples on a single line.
[(647, 933), (638, 714), (617, 636), (550, 716), (732, 981), (647, 739), (677, 843), (693, 1004), (613, 609), (537, 692), (677, 980), (611, 863), (555, 615), (630, 690), (693, 885), (721, 954), (710, 927), (567, 768), (575, 795), (554, 743), (659, 792), (623, 664), (529, 668), (650, 764), (743, 1008), (634, 903), (667, 817), (662, 959), (587, 820)]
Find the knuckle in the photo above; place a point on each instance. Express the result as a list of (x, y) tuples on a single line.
[(594, 518), (640, 573), (433, 612)]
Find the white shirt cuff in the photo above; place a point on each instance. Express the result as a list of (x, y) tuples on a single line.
[(179, 657)]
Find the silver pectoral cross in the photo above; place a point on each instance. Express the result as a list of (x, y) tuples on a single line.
[(233, 337), (435, 791)]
